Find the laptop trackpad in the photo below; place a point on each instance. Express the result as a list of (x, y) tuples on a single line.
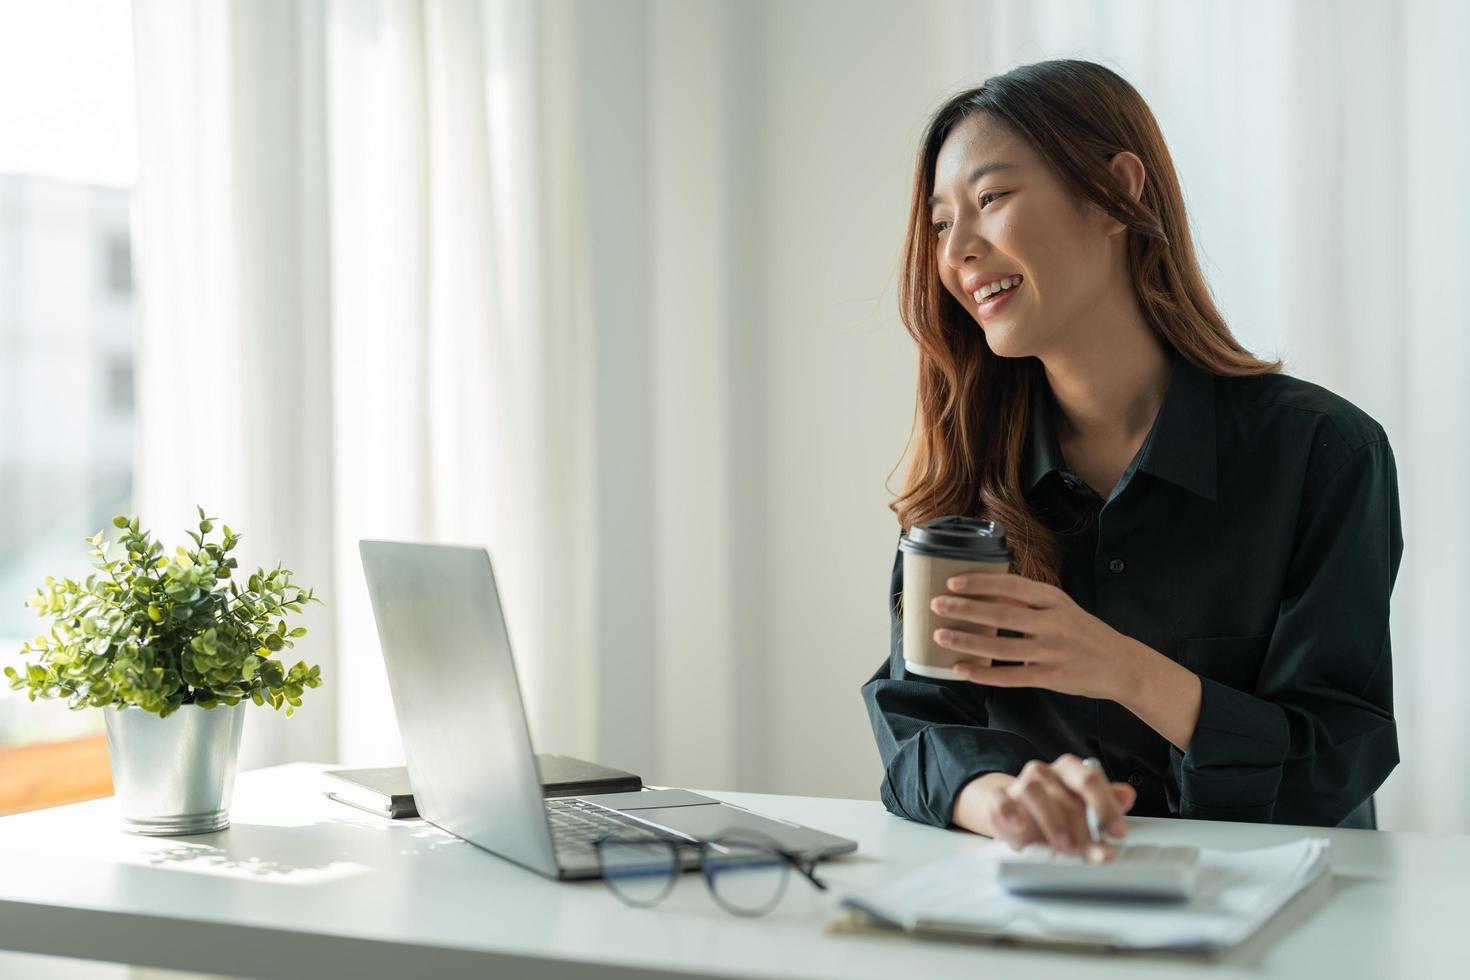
[(644, 799), (705, 822), (701, 817)]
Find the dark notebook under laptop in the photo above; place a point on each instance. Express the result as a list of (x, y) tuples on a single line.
[(387, 791)]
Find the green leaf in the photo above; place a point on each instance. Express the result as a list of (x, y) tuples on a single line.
[(158, 632)]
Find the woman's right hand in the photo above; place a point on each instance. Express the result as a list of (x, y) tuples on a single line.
[(1046, 802)]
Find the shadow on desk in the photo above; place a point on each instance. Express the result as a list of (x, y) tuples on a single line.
[(304, 854)]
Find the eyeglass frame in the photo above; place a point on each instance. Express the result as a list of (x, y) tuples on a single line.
[(790, 859)]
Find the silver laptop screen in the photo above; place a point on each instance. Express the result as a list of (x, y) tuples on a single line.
[(465, 737)]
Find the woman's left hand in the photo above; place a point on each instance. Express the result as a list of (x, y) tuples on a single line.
[(1064, 649)]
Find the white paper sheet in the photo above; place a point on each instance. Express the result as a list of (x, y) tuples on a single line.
[(1236, 893)]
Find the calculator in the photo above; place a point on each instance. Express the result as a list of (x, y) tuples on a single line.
[(1145, 871)]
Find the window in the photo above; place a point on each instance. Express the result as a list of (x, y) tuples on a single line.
[(68, 151)]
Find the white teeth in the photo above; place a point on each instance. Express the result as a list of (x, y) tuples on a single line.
[(985, 292)]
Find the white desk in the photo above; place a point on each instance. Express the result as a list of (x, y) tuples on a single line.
[(300, 886)]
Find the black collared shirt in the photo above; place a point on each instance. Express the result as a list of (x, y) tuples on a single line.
[(1254, 539)]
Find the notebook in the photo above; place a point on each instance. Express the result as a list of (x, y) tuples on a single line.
[(961, 898), (386, 790)]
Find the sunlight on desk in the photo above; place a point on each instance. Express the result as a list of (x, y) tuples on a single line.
[(300, 850), (207, 859)]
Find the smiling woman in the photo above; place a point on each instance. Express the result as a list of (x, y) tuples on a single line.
[(1204, 546), (1056, 173)]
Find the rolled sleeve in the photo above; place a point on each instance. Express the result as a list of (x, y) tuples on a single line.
[(933, 735), (1316, 736)]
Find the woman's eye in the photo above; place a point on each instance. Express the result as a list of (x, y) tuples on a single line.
[(939, 226)]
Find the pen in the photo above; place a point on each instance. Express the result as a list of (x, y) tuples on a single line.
[(1094, 831)]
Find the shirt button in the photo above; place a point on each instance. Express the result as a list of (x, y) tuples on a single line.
[(1134, 779), (1116, 565)]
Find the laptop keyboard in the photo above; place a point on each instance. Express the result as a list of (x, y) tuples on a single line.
[(575, 824)]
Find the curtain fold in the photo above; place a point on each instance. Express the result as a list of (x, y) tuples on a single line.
[(347, 329), (232, 345)]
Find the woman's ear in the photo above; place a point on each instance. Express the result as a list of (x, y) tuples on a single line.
[(1128, 171), (1129, 175)]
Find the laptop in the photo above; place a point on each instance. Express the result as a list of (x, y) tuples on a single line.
[(468, 747)]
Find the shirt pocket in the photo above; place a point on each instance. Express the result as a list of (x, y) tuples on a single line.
[(1234, 661)]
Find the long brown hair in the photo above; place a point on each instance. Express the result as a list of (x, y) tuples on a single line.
[(972, 407)]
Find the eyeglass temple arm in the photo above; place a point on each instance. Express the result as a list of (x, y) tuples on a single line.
[(807, 868)]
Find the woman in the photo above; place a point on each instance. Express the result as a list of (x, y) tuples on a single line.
[(1204, 547)]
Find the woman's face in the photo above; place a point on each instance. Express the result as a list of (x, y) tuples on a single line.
[(1019, 220)]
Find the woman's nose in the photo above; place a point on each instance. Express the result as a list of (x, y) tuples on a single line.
[(961, 244)]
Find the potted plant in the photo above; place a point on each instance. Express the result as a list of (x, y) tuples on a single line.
[(170, 647)]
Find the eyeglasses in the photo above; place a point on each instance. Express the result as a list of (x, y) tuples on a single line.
[(745, 871)]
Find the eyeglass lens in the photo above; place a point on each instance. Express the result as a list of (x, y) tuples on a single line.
[(640, 872), (744, 876)]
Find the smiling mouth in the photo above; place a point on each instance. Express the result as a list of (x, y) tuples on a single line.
[(985, 302)]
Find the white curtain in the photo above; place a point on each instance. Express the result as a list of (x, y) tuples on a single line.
[(350, 327)]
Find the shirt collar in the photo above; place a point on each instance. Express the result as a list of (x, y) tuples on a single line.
[(1181, 447), (1043, 452)]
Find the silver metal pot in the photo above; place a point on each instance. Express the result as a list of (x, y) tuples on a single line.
[(174, 775)]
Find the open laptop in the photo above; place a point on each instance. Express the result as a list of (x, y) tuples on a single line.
[(466, 742)]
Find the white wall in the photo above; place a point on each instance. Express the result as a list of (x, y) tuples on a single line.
[(847, 92), (748, 188)]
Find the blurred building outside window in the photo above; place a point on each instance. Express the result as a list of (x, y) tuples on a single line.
[(68, 162)]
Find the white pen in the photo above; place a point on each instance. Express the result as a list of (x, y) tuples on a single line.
[(1094, 831)]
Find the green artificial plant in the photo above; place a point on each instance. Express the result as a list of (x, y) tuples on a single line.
[(160, 631)]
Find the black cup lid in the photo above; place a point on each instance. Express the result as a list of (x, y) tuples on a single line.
[(955, 536)]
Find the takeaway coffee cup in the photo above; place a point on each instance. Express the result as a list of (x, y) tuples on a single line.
[(933, 553)]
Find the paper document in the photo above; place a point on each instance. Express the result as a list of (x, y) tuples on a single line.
[(1236, 893)]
